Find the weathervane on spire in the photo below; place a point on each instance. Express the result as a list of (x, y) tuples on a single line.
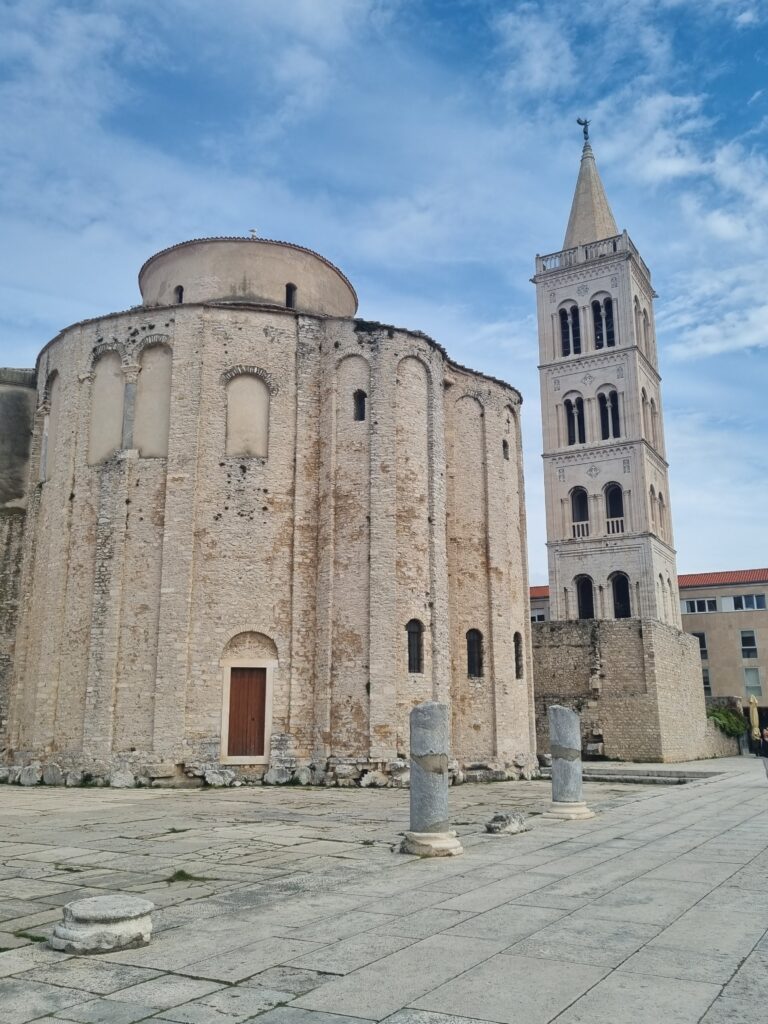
[(585, 125)]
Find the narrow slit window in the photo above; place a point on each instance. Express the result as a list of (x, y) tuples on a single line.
[(580, 424), (358, 402), (575, 330), (290, 296), (474, 654), (565, 334), (518, 656), (610, 334), (505, 449), (597, 316), (415, 631), (178, 293)]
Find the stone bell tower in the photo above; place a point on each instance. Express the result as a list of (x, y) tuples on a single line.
[(609, 527)]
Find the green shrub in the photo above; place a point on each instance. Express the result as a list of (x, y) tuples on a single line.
[(730, 722)]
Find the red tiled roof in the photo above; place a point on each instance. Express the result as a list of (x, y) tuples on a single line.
[(699, 579), (717, 579)]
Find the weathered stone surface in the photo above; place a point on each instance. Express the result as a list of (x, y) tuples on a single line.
[(375, 779), (53, 775), (103, 924), (219, 777), (31, 774), (4, 773), (73, 779), (122, 778), (430, 834), (507, 823), (305, 776), (14, 773), (277, 776)]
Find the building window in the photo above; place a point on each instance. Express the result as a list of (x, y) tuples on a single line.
[(585, 597), (707, 684), (574, 419), (610, 425), (505, 449), (614, 508), (152, 414), (518, 656), (579, 512), (602, 318), (290, 296), (621, 603), (248, 401), (474, 654), (415, 631), (570, 331), (743, 603), (178, 294), (748, 643), (358, 405), (702, 638), (538, 616), (752, 682), (708, 604)]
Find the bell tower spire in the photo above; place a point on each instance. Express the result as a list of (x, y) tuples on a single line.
[(591, 218)]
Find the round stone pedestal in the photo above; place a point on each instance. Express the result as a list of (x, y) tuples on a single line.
[(432, 844), (568, 811), (103, 924)]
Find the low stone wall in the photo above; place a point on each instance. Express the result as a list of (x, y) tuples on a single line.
[(636, 683)]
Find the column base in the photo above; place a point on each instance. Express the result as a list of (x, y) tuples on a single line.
[(568, 811), (431, 844)]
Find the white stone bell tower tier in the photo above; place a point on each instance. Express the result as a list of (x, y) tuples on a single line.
[(609, 531)]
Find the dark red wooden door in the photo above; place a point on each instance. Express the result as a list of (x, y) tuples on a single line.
[(247, 707)]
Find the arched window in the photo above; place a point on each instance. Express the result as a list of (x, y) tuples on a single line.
[(570, 330), (474, 653), (652, 496), (247, 416), (597, 320), (610, 425), (415, 631), (153, 403), (646, 334), (644, 403), (663, 589), (585, 597), (574, 420), (106, 432), (580, 512), (519, 665), (621, 603), (358, 405), (610, 334), (178, 293), (602, 320), (614, 508), (505, 449), (290, 296), (654, 424), (662, 516), (638, 325)]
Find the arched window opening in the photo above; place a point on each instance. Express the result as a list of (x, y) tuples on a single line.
[(153, 403), (248, 402), (605, 423), (178, 293), (574, 417), (652, 496), (608, 404), (565, 333), (644, 403), (474, 654), (646, 334), (621, 603), (654, 424), (665, 613), (415, 631), (638, 326), (518, 656), (597, 319), (614, 508), (610, 334), (290, 296), (570, 330), (505, 449), (585, 597), (613, 403), (662, 516), (580, 512), (358, 405)]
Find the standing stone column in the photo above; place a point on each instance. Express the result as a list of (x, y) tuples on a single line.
[(430, 834), (565, 748)]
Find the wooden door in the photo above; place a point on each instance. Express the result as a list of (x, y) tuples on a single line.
[(247, 708)]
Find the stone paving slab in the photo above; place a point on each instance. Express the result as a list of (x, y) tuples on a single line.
[(655, 910)]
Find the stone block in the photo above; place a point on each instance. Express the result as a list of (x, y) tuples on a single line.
[(304, 777), (31, 774), (219, 777), (73, 779), (53, 775), (122, 778), (507, 823), (4, 773), (14, 774), (103, 924), (277, 775), (375, 779)]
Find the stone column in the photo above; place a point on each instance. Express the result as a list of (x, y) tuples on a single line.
[(565, 748), (430, 834)]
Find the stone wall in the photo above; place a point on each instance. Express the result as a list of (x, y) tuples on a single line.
[(142, 571), (636, 683)]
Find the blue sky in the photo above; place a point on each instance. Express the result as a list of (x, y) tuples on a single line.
[(429, 148)]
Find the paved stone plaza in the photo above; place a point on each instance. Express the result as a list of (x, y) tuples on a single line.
[(291, 908)]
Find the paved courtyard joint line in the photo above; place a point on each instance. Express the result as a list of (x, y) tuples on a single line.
[(288, 906)]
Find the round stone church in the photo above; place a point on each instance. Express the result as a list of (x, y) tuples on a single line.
[(243, 529)]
